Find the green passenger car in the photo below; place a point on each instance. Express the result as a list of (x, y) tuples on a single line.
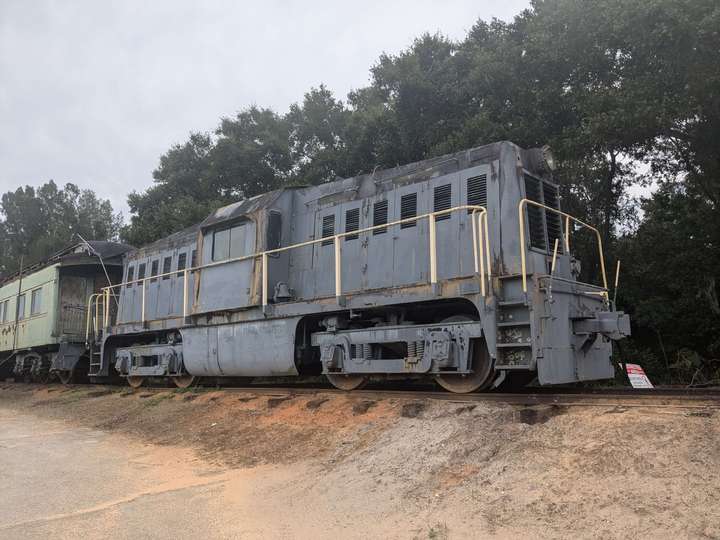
[(43, 311)]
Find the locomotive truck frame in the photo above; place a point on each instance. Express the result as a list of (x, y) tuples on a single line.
[(457, 268)]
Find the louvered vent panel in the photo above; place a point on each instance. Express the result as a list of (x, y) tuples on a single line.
[(554, 226), (408, 209), (477, 191), (352, 223), (328, 229), (535, 214), (442, 200), (380, 216)]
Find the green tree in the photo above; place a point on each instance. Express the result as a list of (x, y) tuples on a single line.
[(614, 86), (38, 222)]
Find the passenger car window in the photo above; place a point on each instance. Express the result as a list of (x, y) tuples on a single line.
[(36, 301), (130, 276), (141, 271), (21, 306)]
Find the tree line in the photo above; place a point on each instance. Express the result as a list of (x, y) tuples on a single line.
[(624, 91)]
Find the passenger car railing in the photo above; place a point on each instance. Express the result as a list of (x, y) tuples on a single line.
[(565, 231), (481, 260)]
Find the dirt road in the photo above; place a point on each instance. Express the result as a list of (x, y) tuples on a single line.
[(213, 465)]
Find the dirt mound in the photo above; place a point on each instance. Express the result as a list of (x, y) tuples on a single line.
[(435, 468)]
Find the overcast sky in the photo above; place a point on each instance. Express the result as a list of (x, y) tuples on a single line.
[(93, 92)]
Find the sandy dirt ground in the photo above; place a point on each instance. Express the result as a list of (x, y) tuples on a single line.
[(97, 463)]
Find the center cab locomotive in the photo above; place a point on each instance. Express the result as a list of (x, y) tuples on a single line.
[(458, 268)]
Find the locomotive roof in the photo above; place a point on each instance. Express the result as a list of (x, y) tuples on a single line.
[(77, 253), (176, 239), (342, 188), (408, 173)]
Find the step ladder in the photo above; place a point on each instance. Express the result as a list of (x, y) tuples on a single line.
[(95, 361), (514, 326)]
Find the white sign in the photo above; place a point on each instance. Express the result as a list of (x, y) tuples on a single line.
[(637, 376)]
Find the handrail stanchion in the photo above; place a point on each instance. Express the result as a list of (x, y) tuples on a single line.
[(97, 314), (523, 247), (264, 280), (617, 280), (88, 317), (602, 258), (567, 234), (142, 311), (554, 258), (338, 269), (433, 254), (483, 214), (475, 241), (481, 250), (107, 309), (185, 292)]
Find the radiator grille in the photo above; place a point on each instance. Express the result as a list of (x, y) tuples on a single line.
[(328, 229), (442, 200), (380, 216), (535, 214), (477, 191), (408, 209), (352, 223), (554, 227)]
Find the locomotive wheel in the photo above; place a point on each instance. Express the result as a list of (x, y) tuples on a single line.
[(135, 381), (346, 382), (482, 374), (184, 381)]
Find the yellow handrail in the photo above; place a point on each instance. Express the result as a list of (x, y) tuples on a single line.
[(568, 217), (481, 254), (88, 316)]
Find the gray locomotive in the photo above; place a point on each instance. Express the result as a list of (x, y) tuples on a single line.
[(457, 268)]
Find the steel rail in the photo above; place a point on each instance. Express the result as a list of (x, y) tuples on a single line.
[(631, 398)]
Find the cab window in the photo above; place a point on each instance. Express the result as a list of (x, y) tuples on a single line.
[(232, 242)]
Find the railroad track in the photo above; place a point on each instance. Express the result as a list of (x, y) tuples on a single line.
[(688, 398)]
